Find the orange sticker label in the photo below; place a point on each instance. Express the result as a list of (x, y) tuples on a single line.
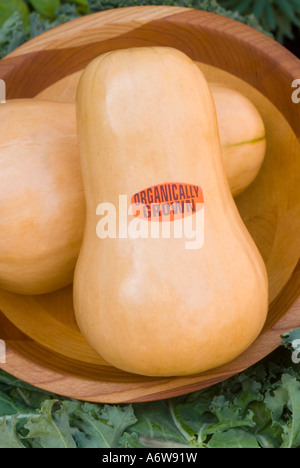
[(167, 202)]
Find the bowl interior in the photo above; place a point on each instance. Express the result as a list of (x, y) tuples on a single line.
[(42, 329)]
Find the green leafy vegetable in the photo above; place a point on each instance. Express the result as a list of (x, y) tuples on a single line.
[(9, 7), (12, 34), (158, 426), (277, 16), (46, 7), (50, 429), (234, 438), (82, 6), (283, 400), (100, 427), (10, 406), (8, 433)]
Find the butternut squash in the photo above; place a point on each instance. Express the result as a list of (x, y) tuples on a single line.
[(42, 208), (243, 136), (146, 118)]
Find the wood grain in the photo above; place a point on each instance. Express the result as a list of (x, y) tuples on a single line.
[(45, 347)]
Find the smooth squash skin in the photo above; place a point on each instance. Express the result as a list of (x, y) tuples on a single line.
[(42, 208), (150, 306), (243, 136), (241, 127)]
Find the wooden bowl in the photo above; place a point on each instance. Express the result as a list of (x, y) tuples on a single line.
[(44, 346)]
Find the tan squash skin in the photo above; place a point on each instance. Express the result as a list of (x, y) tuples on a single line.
[(243, 136), (241, 127), (149, 306), (42, 208)]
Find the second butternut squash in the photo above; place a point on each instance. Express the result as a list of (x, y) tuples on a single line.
[(42, 207)]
